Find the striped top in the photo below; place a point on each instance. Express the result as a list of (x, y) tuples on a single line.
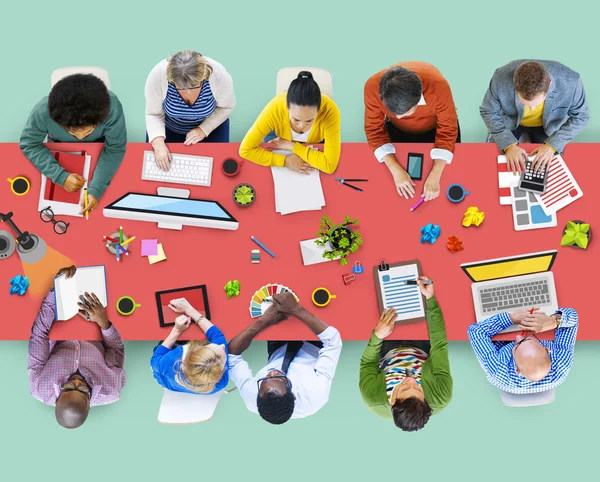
[(400, 363), (182, 118), (496, 357)]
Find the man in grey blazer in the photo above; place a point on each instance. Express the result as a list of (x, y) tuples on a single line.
[(541, 98)]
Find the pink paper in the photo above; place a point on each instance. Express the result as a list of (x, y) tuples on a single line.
[(149, 247)]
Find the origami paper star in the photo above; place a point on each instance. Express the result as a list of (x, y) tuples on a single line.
[(454, 244), (232, 288), (429, 233), (19, 285), (473, 216)]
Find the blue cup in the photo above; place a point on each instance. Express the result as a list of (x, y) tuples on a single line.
[(456, 193)]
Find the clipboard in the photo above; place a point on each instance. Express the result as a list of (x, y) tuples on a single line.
[(393, 293)]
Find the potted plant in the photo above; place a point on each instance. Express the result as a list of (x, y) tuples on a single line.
[(576, 234), (244, 195), (340, 238)]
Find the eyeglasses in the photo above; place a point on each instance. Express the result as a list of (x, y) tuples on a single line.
[(282, 376), (47, 215), (83, 388), (186, 88)]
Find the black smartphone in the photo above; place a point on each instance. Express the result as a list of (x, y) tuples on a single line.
[(415, 166)]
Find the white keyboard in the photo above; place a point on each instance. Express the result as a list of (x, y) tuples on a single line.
[(192, 170)]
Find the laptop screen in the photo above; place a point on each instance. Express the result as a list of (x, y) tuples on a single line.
[(512, 266)]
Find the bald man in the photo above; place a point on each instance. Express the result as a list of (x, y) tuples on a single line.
[(73, 376), (528, 364)]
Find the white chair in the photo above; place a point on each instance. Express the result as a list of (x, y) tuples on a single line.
[(179, 407), (321, 76), (99, 72), (527, 400)]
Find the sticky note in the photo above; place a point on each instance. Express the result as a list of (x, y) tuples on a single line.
[(159, 257), (149, 247)]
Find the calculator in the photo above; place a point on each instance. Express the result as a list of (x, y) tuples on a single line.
[(534, 181)]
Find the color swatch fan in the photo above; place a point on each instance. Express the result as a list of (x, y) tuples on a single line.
[(263, 298)]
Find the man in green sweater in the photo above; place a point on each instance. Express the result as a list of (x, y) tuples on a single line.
[(79, 109), (407, 380)]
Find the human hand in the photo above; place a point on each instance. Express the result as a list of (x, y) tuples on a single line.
[(404, 184), (92, 204), (182, 323), (279, 143), (386, 324), (272, 316), (431, 189), (73, 182), (181, 305), (286, 302), (69, 271), (91, 309), (426, 290), (515, 159), (543, 155), (194, 136), (294, 163), (519, 315), (162, 154), (538, 322)]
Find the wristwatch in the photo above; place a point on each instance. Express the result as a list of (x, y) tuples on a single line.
[(558, 317), (199, 318)]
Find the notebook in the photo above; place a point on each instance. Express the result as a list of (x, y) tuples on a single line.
[(91, 279)]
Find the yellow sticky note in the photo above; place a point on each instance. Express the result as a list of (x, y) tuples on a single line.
[(159, 257)]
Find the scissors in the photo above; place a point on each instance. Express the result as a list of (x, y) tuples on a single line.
[(343, 181)]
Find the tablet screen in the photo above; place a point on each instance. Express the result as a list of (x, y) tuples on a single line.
[(196, 295)]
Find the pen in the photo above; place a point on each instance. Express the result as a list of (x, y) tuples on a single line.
[(128, 241), (414, 282), (353, 187), (356, 180), (419, 202), (268, 251), (85, 202)]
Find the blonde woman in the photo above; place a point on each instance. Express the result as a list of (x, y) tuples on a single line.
[(198, 367), (189, 99)]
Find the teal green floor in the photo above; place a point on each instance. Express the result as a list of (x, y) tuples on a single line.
[(475, 438)]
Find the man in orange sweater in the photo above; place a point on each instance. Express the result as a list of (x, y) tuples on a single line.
[(411, 102)]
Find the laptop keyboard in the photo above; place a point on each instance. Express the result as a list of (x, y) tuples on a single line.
[(518, 295)]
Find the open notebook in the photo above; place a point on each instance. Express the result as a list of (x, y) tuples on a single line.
[(87, 278)]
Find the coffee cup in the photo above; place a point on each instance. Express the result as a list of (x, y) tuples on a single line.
[(231, 167), (19, 185), (126, 306), (322, 297), (456, 193)]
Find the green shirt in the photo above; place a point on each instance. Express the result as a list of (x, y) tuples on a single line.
[(435, 375), (39, 125)]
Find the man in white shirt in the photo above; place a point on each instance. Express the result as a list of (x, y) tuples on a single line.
[(297, 379)]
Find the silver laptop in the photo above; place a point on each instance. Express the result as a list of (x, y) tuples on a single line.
[(506, 284)]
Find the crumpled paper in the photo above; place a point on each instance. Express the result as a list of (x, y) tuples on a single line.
[(19, 285), (454, 244), (473, 216), (232, 288), (429, 233)]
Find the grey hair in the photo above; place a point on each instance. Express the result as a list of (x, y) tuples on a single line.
[(187, 69)]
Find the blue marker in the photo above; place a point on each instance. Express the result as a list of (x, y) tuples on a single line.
[(268, 251)]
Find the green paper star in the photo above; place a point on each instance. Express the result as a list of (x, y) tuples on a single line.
[(232, 288)]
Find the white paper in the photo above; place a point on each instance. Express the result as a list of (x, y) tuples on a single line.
[(405, 299), (506, 180), (561, 187), (312, 253), (294, 191), (67, 291), (528, 212), (61, 208)]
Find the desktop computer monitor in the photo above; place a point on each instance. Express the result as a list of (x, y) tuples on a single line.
[(171, 211)]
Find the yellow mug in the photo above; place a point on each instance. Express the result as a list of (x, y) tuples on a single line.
[(19, 185), (126, 306), (322, 297)]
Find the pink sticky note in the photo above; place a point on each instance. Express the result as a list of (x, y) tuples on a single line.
[(149, 247)]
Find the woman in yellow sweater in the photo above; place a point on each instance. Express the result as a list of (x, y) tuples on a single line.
[(300, 116)]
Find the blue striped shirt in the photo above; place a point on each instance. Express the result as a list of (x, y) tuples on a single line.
[(496, 357), (182, 118)]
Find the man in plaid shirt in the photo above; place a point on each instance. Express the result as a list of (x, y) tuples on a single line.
[(75, 375)]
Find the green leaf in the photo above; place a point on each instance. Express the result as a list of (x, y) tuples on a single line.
[(585, 228), (343, 261), (582, 241), (571, 225)]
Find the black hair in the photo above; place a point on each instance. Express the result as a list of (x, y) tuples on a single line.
[(79, 100), (411, 414), (275, 408), (400, 90), (304, 91)]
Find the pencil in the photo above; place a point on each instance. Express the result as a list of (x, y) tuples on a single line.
[(124, 243), (86, 202), (108, 238), (120, 234)]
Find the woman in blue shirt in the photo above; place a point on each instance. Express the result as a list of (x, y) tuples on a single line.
[(198, 367)]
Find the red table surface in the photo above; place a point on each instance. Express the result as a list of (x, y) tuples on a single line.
[(213, 257)]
